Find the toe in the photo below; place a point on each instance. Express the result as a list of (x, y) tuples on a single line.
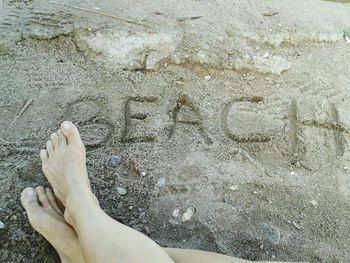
[(52, 200), (62, 139), (70, 131), (54, 140), (49, 147), (40, 191), (29, 201), (43, 155)]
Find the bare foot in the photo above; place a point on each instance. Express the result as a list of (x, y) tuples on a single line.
[(63, 163), (46, 218)]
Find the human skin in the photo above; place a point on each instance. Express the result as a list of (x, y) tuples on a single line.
[(83, 232)]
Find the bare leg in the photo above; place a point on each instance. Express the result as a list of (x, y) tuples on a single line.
[(197, 256), (46, 218), (101, 238)]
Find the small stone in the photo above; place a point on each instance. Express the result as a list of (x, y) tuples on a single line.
[(292, 173), (233, 187), (273, 256), (269, 13), (121, 191), (314, 202), (131, 207), (176, 213), (346, 168), (174, 221), (160, 183), (272, 233), (147, 230), (261, 246), (296, 225), (207, 77), (2, 225), (266, 55), (115, 161), (188, 214), (143, 173)]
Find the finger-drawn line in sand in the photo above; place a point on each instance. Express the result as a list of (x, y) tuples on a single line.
[(23, 109), (242, 138), (98, 12), (332, 125), (20, 15), (84, 109), (186, 113), (127, 135), (339, 138), (58, 20), (293, 136), (89, 111), (11, 18)]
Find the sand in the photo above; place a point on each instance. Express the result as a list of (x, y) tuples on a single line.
[(230, 120)]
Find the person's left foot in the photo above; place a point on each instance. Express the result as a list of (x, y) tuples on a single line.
[(46, 218)]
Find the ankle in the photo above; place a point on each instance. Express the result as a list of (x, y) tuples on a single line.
[(79, 204)]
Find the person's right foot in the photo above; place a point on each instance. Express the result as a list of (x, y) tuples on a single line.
[(63, 164)]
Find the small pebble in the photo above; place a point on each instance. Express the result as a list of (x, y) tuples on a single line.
[(188, 214), (115, 161), (269, 13), (121, 191), (143, 173), (272, 233), (160, 183), (266, 55), (296, 225), (2, 225), (176, 213), (147, 230), (273, 256), (207, 77), (174, 221), (314, 202), (292, 173), (233, 187)]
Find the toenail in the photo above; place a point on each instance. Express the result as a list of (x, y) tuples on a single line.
[(30, 192), (66, 125)]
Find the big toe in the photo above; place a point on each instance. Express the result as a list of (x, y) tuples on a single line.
[(29, 201), (70, 131)]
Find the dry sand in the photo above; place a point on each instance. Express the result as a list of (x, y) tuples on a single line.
[(230, 119)]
